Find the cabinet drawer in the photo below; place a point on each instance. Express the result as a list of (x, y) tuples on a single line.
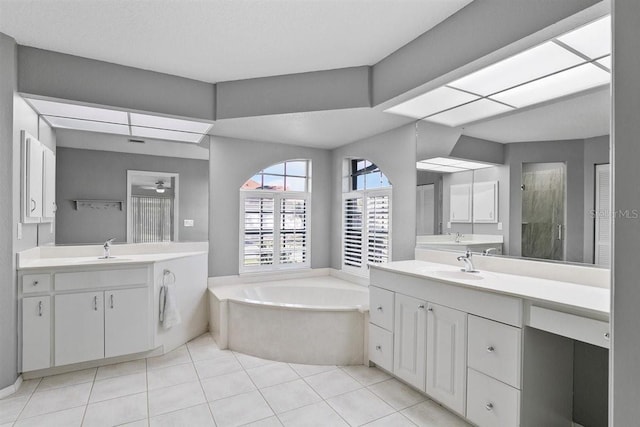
[(100, 278), (381, 347), (579, 328), (32, 283), (495, 349), (381, 307), (491, 403)]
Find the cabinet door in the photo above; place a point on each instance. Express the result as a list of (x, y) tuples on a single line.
[(49, 186), (79, 327), (446, 356), (36, 333), (32, 179), (410, 336), (460, 203), (126, 321), (485, 202)]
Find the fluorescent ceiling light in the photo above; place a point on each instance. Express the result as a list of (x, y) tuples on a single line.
[(445, 164), (443, 161), (432, 102), (606, 61), (592, 40), (469, 112), (87, 125), (165, 134), (438, 168), (531, 64), (50, 108), (565, 83), (169, 123), (472, 165)]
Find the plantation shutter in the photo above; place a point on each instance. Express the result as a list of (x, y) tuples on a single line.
[(353, 231), (602, 247), (259, 221), (152, 219), (293, 230), (378, 224)]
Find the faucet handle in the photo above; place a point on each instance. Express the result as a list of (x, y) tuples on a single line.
[(109, 242)]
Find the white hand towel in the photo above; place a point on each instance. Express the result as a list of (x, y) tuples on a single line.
[(169, 311)]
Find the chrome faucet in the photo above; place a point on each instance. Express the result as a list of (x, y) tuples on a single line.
[(107, 248), (458, 236), (468, 264), (489, 251)]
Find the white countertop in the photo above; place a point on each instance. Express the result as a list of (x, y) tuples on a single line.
[(577, 296), (92, 261)]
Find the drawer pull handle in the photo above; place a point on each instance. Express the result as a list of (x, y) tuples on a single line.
[(421, 306), (607, 336), (95, 303), (379, 348), (379, 308), (111, 300), (489, 406), (430, 309), (35, 283), (40, 308), (491, 349)]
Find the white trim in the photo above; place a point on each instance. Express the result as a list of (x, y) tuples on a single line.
[(9, 390), (176, 199)]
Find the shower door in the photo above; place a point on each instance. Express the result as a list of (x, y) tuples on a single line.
[(543, 210)]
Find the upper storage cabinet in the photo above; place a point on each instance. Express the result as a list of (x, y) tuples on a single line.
[(38, 181)]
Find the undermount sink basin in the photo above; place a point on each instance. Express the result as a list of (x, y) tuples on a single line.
[(459, 275), (103, 259)]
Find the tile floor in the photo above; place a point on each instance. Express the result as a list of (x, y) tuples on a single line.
[(200, 385)]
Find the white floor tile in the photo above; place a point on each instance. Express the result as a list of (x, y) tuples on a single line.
[(317, 415), (139, 423), (57, 400), (332, 383), (199, 416), (265, 422), (63, 380), (26, 388), (67, 418), (272, 374), (118, 387), (169, 399), (397, 394), (176, 357), (394, 420), (240, 409), (119, 369), (205, 348), (287, 396), (227, 385), (173, 375), (366, 375), (11, 407), (430, 414), (360, 407), (215, 367), (308, 370), (249, 362), (116, 411)]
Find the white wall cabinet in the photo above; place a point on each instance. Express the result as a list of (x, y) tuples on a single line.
[(446, 356), (410, 336), (485, 202), (460, 203), (36, 332), (126, 325), (38, 181), (79, 327)]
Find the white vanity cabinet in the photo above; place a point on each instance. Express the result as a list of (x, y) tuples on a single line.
[(36, 332), (38, 181), (79, 327), (409, 343), (126, 326)]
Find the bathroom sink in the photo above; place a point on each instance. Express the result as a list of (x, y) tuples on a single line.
[(102, 259), (459, 275)]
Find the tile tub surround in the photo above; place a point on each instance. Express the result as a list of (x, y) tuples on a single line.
[(312, 320), (172, 390)]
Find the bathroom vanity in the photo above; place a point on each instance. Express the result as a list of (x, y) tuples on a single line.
[(77, 308), (495, 348)]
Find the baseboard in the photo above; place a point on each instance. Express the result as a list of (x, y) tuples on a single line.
[(9, 390)]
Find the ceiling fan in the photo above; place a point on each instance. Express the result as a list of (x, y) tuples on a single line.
[(158, 186)]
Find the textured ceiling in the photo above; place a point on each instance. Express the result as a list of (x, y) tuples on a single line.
[(218, 40), (574, 118)]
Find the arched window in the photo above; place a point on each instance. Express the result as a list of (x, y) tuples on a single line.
[(366, 213), (274, 218)]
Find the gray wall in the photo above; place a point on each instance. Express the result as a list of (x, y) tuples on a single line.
[(596, 152), (625, 393), (231, 163), (91, 174), (395, 154), (8, 304)]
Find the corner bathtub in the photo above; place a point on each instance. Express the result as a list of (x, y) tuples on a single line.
[(316, 320)]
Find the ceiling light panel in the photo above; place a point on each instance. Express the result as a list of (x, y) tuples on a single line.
[(158, 122), (534, 63), (432, 102), (87, 125), (567, 82), (171, 135), (50, 108), (444, 161), (437, 168), (472, 165), (592, 40), (606, 61), (470, 112)]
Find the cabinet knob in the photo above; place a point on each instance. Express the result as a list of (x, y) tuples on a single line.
[(378, 347), (489, 406), (607, 336), (430, 309), (421, 306), (379, 308), (491, 349), (35, 283)]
